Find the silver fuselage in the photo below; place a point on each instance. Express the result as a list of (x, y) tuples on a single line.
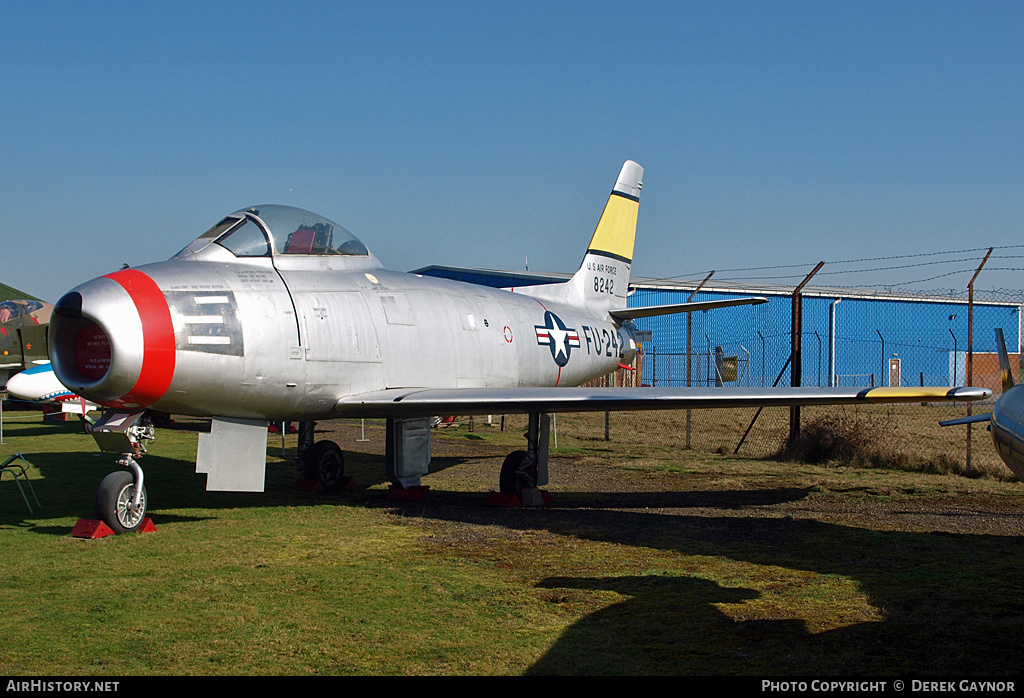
[(286, 337)]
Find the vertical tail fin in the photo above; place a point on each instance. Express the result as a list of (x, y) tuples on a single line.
[(1004, 361), (603, 278)]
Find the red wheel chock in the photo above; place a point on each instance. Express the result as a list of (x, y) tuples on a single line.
[(91, 528), (408, 494), (95, 528), (502, 499)]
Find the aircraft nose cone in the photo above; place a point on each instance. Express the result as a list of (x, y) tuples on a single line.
[(112, 340), (32, 384)]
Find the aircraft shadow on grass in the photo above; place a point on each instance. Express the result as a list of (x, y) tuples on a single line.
[(949, 603)]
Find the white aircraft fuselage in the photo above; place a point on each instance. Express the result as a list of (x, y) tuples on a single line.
[(279, 338)]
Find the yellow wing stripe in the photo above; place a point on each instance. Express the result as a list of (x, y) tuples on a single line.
[(887, 394), (616, 231)]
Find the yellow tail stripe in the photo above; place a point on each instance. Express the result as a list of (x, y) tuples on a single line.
[(616, 231)]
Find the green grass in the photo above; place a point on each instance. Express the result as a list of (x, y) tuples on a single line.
[(712, 566)]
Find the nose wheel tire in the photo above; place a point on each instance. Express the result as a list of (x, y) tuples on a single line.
[(113, 503), (325, 463)]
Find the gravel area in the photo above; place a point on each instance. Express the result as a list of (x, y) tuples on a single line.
[(464, 471)]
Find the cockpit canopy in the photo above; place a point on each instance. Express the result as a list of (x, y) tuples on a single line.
[(9, 310), (270, 230)]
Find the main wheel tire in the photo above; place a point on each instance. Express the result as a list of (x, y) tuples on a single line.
[(325, 463), (113, 496), (509, 481)]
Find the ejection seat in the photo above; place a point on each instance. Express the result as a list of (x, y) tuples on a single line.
[(301, 241)]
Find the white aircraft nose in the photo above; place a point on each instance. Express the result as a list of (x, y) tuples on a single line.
[(111, 340), (33, 385)]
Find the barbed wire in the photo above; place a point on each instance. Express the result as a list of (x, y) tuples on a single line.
[(733, 278)]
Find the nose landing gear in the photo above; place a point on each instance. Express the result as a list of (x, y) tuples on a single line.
[(119, 503), (121, 497)]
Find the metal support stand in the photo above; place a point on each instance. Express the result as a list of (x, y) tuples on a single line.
[(9, 466)]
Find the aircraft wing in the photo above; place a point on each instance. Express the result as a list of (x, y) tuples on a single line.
[(396, 402)]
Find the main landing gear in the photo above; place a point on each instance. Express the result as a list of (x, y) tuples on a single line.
[(321, 461), (524, 472), (406, 455)]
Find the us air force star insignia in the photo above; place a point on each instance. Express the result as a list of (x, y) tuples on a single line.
[(558, 337)]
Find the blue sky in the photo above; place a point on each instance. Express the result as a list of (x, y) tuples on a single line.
[(486, 133)]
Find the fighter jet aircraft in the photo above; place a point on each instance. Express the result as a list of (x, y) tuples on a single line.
[(1006, 420), (22, 335), (276, 314), (39, 384)]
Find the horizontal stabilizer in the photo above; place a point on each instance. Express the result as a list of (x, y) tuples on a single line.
[(1005, 374), (973, 419), (464, 401), (652, 310)]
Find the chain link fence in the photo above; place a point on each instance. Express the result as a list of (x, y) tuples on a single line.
[(877, 339)]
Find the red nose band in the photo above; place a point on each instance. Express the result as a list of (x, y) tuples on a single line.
[(157, 338)]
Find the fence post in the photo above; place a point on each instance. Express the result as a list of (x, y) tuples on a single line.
[(970, 348), (796, 368), (689, 357)]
